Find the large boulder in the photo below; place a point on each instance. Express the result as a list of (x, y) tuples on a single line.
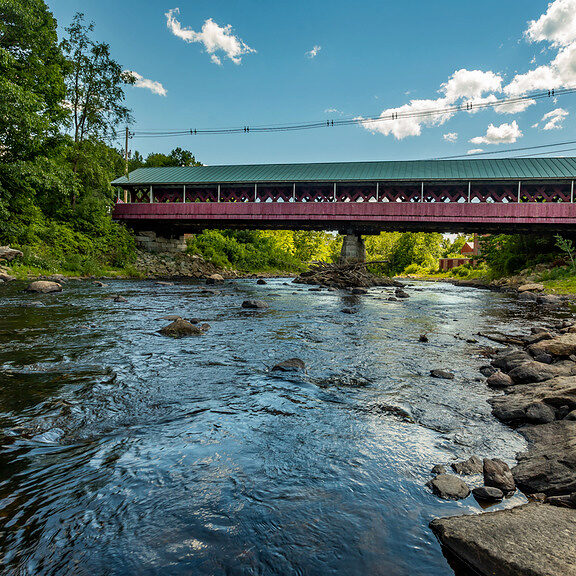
[(449, 487), (540, 413), (533, 371), (488, 494), (534, 539), (44, 287), (497, 474), (563, 345), (180, 328), (549, 464), (556, 392), (7, 253)]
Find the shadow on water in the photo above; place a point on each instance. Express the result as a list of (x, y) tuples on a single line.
[(124, 452)]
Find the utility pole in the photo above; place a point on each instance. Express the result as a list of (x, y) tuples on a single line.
[(126, 163), (126, 152)]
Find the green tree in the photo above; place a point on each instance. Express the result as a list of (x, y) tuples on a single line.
[(95, 85), (178, 157), (32, 89)]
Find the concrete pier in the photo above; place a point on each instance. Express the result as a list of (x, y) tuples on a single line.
[(152, 242), (353, 249)]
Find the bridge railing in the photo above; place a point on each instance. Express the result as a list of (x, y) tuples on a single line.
[(504, 192)]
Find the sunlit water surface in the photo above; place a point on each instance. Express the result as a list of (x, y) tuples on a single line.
[(125, 452)]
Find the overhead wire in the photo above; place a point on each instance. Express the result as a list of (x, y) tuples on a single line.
[(392, 116)]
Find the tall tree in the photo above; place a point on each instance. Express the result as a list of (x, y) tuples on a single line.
[(32, 89), (95, 85)]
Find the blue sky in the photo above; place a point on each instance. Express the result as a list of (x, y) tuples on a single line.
[(373, 56)]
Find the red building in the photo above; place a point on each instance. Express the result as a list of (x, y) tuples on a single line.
[(468, 252)]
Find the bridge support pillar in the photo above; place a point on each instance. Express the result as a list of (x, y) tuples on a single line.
[(152, 242), (353, 249)]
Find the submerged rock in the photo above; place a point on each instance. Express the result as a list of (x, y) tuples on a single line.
[(120, 299), (471, 466), (44, 287), (254, 304), (449, 487), (401, 293), (359, 291), (180, 328), (534, 539), (423, 338), (497, 474), (438, 469), (437, 373), (261, 281), (290, 365)]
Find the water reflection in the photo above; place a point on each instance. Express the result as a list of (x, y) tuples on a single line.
[(124, 452)]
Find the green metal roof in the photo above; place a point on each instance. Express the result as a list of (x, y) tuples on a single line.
[(418, 170)]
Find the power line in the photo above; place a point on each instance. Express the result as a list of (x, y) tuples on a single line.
[(391, 117), (506, 151)]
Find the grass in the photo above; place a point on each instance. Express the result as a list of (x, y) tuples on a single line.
[(24, 272)]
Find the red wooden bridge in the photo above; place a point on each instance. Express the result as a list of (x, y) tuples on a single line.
[(499, 195)]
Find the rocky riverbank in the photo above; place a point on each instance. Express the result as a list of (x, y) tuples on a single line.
[(534, 381)]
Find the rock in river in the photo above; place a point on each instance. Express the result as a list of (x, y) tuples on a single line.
[(180, 328), (497, 474), (438, 469), (442, 374), (291, 365), (261, 281), (471, 466), (549, 464), (499, 380), (534, 539), (214, 279), (254, 304), (487, 494), (449, 487), (44, 287)]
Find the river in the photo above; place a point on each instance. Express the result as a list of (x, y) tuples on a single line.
[(125, 452)]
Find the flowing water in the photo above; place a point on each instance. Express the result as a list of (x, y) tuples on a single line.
[(125, 452)]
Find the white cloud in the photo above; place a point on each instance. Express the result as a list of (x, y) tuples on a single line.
[(152, 85), (334, 111), (214, 38), (475, 151), (557, 25), (503, 134), (314, 52), (451, 136), (470, 84), (554, 120), (477, 87), (410, 120)]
